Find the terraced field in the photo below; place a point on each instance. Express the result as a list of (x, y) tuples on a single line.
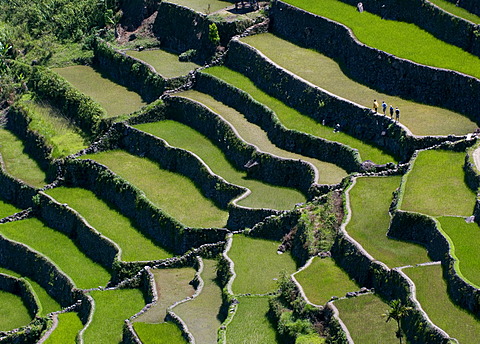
[(12, 311), (7, 209), (327, 74), (69, 325), (262, 195), (251, 133)]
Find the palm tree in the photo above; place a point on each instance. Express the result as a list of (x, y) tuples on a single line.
[(397, 312)]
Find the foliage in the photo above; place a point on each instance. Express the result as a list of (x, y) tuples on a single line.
[(213, 35), (188, 55), (397, 312)]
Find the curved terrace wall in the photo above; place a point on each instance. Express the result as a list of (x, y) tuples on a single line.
[(470, 5), (292, 140), (14, 191), (369, 66), (23, 289), (323, 106)]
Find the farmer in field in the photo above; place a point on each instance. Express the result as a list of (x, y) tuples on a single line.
[(384, 108), (397, 114), (375, 105), (391, 111)]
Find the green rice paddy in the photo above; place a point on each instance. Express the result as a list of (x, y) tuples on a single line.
[(326, 73), (293, 119), (114, 98), (6, 209), (258, 265), (108, 221), (13, 313), (69, 325), (203, 6), (456, 10), (363, 317), (250, 323), (466, 240), (173, 193), (58, 132), (263, 195), (402, 39), (47, 302), (165, 63), (165, 333), (60, 249), (112, 307), (253, 134), (436, 185), (369, 228), (431, 291), (172, 285), (323, 279), (17, 163), (206, 306)]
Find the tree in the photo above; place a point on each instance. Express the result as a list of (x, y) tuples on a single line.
[(213, 34), (397, 312)]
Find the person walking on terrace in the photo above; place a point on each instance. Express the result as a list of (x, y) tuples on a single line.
[(391, 111), (375, 105), (384, 108), (397, 114)]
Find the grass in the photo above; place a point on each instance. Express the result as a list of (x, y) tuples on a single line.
[(258, 265), (6, 209), (402, 39), (58, 132), (253, 134), (293, 119), (466, 240), (436, 185), (60, 249), (250, 323), (172, 285), (108, 221), (112, 307), (165, 333), (17, 162), (13, 313), (431, 290), (324, 279), (263, 195), (174, 193), (363, 317), (205, 306), (456, 10), (326, 73), (69, 325), (48, 303), (164, 62), (203, 6), (114, 98), (369, 228)]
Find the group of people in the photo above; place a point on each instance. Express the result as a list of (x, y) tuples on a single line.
[(384, 108)]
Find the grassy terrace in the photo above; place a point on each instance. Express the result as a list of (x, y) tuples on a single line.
[(18, 163), (323, 279), (293, 119), (363, 317), (250, 323), (327, 74), (108, 221), (466, 238), (48, 303), (436, 185), (114, 98), (60, 249), (172, 285), (398, 38), (258, 265), (369, 228), (253, 134), (203, 6), (62, 135), (7, 209), (165, 333), (431, 291), (112, 307), (456, 10), (13, 313), (165, 63), (205, 306), (175, 194), (263, 195), (69, 325)]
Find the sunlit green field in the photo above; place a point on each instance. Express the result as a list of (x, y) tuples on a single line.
[(165, 333), (456, 10), (13, 312), (69, 325), (263, 195), (7, 209)]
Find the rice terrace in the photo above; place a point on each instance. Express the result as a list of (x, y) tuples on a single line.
[(240, 172)]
